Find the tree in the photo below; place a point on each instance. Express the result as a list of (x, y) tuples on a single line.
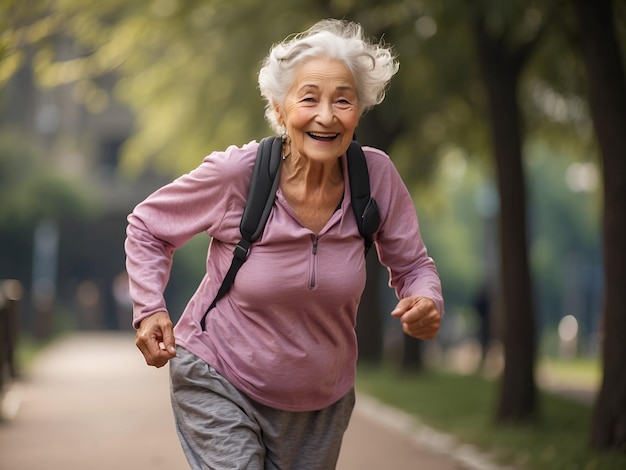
[(607, 100), (502, 65), (16, 20)]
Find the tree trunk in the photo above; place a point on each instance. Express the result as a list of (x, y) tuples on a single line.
[(501, 69), (607, 100)]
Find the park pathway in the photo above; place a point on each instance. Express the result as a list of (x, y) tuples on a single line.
[(91, 403)]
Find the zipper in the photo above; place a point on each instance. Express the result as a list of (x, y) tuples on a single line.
[(312, 279)]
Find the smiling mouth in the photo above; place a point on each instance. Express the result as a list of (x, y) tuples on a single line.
[(323, 137)]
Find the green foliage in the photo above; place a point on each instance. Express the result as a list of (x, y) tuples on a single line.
[(458, 213), (560, 257), (188, 69), (31, 189), (557, 442), (453, 228), (22, 24)]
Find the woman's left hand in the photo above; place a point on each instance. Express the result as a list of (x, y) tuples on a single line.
[(419, 316)]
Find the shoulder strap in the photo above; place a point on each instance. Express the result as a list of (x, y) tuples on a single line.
[(261, 193), (364, 206), (262, 188), (261, 198)]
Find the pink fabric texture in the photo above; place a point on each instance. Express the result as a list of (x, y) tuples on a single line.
[(284, 334)]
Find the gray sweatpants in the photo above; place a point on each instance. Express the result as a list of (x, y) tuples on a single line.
[(220, 428)]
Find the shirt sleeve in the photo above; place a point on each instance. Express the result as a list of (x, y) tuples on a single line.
[(208, 199), (398, 241)]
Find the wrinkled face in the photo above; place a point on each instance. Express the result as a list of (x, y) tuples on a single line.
[(321, 110)]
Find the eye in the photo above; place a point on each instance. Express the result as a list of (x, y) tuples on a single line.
[(343, 103)]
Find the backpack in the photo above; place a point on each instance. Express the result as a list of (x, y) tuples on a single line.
[(263, 185)]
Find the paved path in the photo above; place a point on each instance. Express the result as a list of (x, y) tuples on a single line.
[(91, 403)]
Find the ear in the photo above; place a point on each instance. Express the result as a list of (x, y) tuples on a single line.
[(279, 117)]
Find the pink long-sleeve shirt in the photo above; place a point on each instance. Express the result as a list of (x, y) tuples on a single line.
[(285, 333)]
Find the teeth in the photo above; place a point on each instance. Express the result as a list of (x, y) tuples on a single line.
[(317, 136)]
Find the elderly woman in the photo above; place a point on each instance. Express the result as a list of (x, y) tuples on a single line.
[(269, 382)]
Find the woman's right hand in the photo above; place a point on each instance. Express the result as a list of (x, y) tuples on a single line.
[(155, 339)]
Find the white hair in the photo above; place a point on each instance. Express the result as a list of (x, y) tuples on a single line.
[(372, 65)]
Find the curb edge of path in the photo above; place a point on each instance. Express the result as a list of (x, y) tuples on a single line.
[(468, 456)]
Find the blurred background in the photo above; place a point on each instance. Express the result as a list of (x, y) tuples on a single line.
[(488, 120), (101, 105)]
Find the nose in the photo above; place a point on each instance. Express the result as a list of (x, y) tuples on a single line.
[(326, 114)]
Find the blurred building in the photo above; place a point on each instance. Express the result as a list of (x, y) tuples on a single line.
[(79, 128)]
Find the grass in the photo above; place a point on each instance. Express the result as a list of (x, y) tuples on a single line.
[(27, 350), (575, 372), (464, 405)]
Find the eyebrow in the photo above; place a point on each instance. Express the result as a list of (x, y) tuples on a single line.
[(339, 88)]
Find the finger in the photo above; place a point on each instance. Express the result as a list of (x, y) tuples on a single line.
[(157, 360), (423, 306), (168, 343), (423, 328), (149, 339), (417, 320), (423, 310), (403, 306), (425, 332), (419, 317), (151, 356)]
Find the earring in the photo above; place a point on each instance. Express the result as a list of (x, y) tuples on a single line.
[(285, 141)]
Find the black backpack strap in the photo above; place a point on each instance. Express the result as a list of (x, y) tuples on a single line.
[(263, 186), (364, 206)]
